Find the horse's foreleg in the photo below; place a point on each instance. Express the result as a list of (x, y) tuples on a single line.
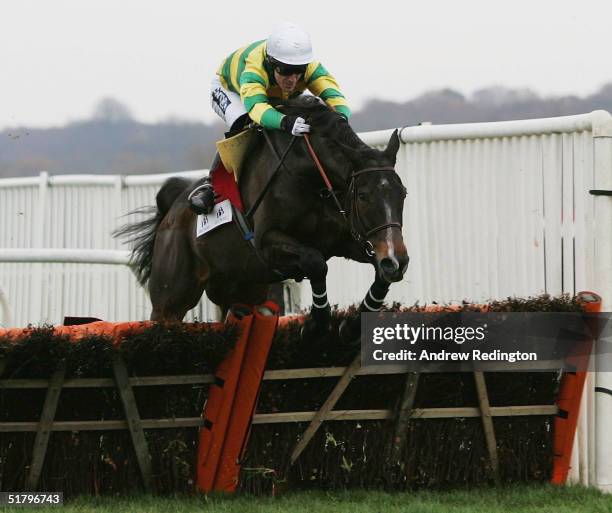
[(318, 323), (314, 267), (350, 327), (374, 299), (320, 305)]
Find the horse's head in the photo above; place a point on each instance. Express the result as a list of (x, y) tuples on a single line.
[(375, 194)]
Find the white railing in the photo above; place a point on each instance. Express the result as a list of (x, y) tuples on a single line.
[(66, 256)]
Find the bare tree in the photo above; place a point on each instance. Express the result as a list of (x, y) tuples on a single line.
[(111, 110)]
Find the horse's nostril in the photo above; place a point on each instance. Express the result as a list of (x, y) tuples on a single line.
[(389, 265)]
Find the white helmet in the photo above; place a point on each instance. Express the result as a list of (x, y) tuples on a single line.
[(289, 44)]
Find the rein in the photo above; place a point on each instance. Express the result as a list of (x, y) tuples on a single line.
[(280, 163), (323, 174), (359, 236)]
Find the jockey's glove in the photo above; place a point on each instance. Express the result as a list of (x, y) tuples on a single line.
[(295, 125)]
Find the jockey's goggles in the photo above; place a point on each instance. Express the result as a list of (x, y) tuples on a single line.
[(287, 69)]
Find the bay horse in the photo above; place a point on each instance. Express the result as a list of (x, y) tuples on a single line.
[(297, 226)]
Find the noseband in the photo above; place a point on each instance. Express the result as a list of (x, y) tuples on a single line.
[(359, 231)]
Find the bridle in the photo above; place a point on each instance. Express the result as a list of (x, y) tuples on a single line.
[(359, 232)]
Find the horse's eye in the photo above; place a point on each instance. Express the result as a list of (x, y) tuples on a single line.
[(363, 196)]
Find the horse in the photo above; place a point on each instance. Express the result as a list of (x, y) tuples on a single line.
[(298, 225)]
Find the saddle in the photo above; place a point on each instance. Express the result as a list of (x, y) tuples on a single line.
[(233, 150)]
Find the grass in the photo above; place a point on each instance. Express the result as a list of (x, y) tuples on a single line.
[(523, 499)]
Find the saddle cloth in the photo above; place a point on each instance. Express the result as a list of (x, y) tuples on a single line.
[(225, 186)]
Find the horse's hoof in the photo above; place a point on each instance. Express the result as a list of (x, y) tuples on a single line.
[(350, 329), (312, 329)]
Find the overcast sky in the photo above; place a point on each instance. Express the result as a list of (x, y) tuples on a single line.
[(60, 57)]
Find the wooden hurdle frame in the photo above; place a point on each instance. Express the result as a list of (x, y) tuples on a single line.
[(135, 424)]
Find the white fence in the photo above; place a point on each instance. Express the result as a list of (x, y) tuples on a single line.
[(41, 216), (493, 210)]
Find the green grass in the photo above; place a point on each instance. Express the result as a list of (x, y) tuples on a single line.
[(523, 499)]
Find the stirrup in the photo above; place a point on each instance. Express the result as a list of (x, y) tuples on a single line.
[(204, 186), (202, 199)]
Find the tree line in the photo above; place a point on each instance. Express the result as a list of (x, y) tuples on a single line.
[(113, 142)]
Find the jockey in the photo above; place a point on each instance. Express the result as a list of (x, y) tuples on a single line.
[(282, 67)]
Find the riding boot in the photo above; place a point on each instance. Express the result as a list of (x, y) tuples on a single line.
[(202, 198)]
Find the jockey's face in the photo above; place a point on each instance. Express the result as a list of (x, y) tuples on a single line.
[(287, 82)]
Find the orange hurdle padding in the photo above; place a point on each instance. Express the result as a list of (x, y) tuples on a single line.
[(247, 392), (220, 401), (116, 331), (570, 395), (285, 320)]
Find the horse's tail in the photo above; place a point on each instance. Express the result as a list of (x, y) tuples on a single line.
[(141, 235)]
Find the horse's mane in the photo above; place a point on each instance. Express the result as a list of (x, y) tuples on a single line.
[(327, 122)]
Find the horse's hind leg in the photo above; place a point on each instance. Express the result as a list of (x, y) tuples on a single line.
[(177, 282), (297, 260), (221, 290)]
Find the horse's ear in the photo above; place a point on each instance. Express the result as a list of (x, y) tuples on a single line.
[(393, 146)]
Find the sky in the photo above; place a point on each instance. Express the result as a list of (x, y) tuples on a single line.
[(58, 58)]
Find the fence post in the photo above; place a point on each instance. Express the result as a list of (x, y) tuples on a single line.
[(602, 253), (37, 290), (5, 308), (487, 423), (45, 426), (400, 431), (122, 305), (132, 417)]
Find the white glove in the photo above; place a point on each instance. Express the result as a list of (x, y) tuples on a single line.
[(299, 126)]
